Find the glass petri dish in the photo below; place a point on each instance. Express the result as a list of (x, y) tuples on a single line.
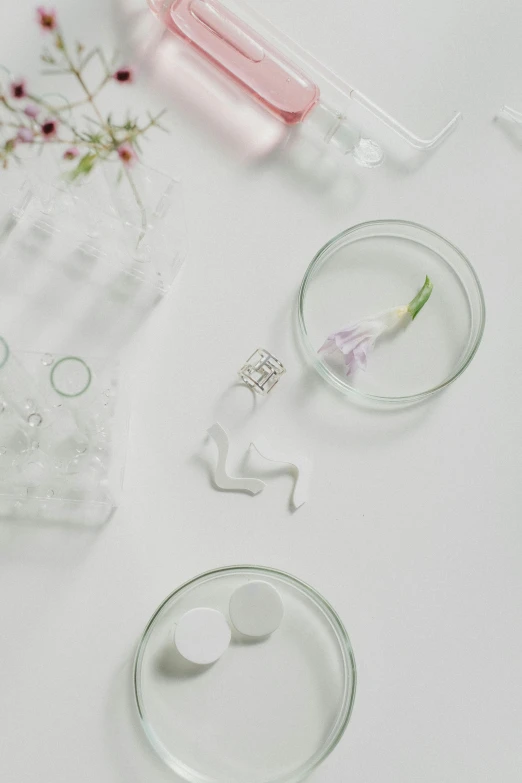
[(378, 265), (269, 710)]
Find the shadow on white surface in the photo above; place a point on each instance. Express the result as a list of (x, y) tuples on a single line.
[(236, 405), (189, 82), (307, 163), (511, 130), (169, 663), (49, 545), (254, 465), (323, 409)]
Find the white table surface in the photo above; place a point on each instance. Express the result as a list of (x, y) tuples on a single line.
[(413, 529)]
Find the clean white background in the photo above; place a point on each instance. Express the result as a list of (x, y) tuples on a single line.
[(413, 530)]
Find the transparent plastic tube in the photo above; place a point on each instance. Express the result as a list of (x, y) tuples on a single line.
[(511, 114), (262, 71), (343, 89)]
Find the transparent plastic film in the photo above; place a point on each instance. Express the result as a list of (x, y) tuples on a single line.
[(20, 392), (62, 437), (78, 243)]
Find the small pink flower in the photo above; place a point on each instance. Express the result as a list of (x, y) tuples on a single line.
[(71, 153), (124, 75), (46, 18), (18, 88), (31, 111), (25, 135), (49, 128), (126, 154)]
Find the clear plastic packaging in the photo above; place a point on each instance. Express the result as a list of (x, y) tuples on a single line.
[(82, 265), (63, 433)]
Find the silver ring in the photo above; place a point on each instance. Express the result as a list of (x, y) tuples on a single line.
[(262, 371)]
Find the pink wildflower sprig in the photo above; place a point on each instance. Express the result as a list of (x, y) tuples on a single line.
[(49, 128), (25, 135), (18, 89), (46, 18), (71, 153), (32, 111), (126, 154), (124, 75), (89, 139)]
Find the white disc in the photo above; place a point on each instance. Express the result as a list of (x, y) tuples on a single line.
[(202, 635), (256, 609)]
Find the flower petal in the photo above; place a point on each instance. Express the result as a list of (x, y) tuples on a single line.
[(46, 18), (360, 354), (328, 346), (356, 340)]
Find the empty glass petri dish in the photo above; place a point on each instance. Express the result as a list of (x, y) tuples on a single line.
[(378, 265), (270, 709)]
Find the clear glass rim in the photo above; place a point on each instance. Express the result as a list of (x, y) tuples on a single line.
[(350, 676), (346, 388)]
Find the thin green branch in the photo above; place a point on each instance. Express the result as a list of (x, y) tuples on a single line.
[(105, 138)]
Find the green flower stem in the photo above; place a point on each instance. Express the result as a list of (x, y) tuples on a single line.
[(144, 222), (99, 141), (95, 92), (418, 301), (107, 127)]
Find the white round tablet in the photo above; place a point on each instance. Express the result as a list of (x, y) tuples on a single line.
[(202, 635), (256, 609)]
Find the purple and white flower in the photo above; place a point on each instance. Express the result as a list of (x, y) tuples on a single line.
[(356, 340)]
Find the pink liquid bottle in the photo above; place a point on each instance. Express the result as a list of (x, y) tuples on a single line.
[(260, 70)]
